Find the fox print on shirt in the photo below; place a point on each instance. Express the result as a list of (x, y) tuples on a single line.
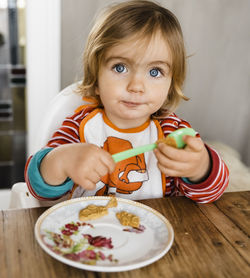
[(129, 174)]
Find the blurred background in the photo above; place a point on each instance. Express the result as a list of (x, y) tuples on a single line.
[(13, 129), (41, 45)]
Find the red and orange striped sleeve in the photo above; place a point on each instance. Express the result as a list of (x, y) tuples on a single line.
[(208, 190)]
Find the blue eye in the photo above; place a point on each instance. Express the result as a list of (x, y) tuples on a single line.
[(119, 68), (154, 72)]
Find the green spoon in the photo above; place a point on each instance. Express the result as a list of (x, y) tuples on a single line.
[(176, 135)]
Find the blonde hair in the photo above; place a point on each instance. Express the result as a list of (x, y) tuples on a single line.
[(121, 21)]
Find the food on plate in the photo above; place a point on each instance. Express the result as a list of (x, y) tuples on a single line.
[(92, 212), (112, 203), (128, 219)]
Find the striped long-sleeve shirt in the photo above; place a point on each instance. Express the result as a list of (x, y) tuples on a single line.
[(207, 191)]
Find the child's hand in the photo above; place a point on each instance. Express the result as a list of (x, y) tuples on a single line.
[(84, 163), (192, 162)]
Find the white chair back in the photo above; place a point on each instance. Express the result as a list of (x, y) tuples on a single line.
[(61, 106)]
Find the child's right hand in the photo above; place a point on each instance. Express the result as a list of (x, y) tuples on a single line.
[(84, 163)]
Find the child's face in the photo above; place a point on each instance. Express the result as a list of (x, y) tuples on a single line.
[(134, 80)]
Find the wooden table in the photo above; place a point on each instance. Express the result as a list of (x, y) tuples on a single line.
[(211, 240)]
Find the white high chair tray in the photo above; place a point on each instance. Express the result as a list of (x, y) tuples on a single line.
[(103, 244)]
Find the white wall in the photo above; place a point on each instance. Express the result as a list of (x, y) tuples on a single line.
[(75, 24), (218, 81)]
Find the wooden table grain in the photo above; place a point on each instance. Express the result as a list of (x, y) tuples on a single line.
[(211, 240)]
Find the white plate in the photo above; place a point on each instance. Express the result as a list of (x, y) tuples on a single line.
[(131, 249)]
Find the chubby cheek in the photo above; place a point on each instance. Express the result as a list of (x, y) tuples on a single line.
[(108, 87), (164, 91), (160, 96)]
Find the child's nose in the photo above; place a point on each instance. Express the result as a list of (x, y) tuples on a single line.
[(136, 84)]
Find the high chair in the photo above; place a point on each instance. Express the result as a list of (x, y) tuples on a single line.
[(60, 107)]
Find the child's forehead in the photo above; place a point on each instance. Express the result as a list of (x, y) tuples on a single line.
[(139, 47)]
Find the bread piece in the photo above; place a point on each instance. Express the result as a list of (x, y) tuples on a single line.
[(128, 219), (169, 141), (94, 212)]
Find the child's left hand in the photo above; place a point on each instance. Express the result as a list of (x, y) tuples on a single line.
[(192, 162)]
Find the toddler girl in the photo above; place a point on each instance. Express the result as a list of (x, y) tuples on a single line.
[(134, 69)]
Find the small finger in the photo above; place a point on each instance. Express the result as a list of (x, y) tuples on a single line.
[(173, 153), (168, 171), (194, 143), (102, 170), (109, 162), (167, 163), (88, 185)]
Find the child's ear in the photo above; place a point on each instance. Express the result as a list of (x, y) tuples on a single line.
[(97, 91)]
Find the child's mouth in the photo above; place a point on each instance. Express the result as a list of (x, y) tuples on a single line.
[(131, 104)]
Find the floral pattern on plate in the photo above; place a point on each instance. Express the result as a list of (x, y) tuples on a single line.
[(86, 249)]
